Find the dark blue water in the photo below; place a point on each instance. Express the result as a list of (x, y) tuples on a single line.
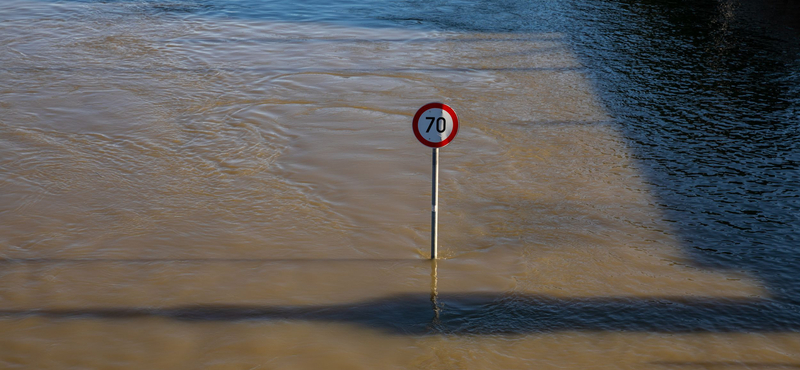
[(708, 95)]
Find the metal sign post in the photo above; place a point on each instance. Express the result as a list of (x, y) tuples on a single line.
[(435, 125), (435, 203)]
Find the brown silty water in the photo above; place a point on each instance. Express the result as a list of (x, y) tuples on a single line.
[(198, 194)]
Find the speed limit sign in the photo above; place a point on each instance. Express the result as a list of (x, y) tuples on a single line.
[(435, 125)]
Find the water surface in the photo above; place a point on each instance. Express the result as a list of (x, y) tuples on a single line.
[(206, 184)]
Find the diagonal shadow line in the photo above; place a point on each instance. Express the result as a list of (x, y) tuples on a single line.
[(677, 155), (484, 314)]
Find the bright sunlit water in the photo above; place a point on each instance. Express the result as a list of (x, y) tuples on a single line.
[(235, 185)]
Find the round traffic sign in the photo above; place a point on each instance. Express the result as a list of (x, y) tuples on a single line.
[(435, 125)]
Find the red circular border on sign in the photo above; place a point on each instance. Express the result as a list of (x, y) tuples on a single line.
[(443, 107)]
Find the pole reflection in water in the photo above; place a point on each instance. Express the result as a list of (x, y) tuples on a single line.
[(436, 324)]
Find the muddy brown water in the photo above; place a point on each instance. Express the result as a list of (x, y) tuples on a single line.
[(236, 186)]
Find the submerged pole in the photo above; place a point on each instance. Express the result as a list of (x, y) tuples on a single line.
[(435, 294)]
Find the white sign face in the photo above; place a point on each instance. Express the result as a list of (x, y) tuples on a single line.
[(435, 125)]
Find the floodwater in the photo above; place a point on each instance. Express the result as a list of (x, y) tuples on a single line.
[(235, 185)]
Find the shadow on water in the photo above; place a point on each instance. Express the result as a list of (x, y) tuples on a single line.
[(482, 313), (487, 314), (707, 94)]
